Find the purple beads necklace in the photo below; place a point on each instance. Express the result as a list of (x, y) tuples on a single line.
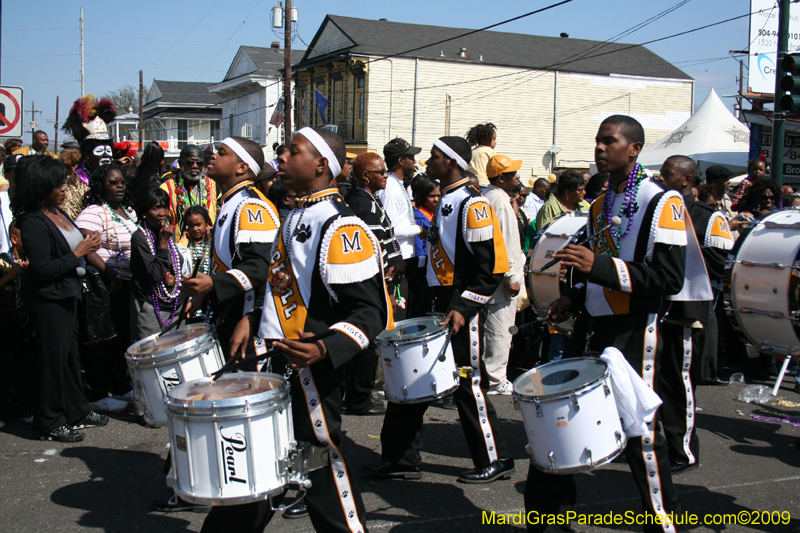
[(626, 210), (159, 291)]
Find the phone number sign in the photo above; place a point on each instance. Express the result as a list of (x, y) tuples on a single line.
[(764, 44)]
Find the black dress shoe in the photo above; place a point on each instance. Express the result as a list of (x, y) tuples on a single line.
[(448, 402), (389, 469), (375, 407), (500, 469), (296, 511), (679, 467)]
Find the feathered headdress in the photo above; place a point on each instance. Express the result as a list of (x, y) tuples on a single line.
[(89, 118)]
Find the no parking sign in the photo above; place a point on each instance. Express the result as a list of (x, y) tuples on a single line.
[(10, 111)]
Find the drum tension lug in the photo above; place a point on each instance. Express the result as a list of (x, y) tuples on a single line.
[(618, 436), (552, 458), (589, 456), (606, 390), (433, 386), (575, 402), (538, 410), (405, 392)]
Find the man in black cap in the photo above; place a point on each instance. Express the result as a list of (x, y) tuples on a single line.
[(189, 186), (399, 157)]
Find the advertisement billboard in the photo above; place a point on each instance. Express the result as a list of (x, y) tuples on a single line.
[(764, 44)]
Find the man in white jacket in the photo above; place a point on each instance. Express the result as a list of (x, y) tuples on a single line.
[(503, 178)]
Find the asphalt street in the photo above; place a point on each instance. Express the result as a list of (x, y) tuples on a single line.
[(106, 482)]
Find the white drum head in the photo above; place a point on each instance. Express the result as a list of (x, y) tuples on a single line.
[(228, 388), (155, 344), (411, 330), (558, 378)]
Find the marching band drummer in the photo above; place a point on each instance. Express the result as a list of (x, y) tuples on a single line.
[(325, 274), (689, 328), (466, 262), (246, 226), (630, 269)]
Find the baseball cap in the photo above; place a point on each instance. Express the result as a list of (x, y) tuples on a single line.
[(398, 147), (500, 164), (716, 172)]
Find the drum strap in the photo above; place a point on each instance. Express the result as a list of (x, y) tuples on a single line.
[(320, 426), (480, 401)]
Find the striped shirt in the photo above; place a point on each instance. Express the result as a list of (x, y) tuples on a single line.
[(115, 237), (369, 209)]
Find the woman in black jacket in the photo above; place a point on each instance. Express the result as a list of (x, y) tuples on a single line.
[(51, 289)]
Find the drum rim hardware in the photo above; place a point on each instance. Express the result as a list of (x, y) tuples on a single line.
[(209, 336), (414, 337), (542, 398), (223, 408)]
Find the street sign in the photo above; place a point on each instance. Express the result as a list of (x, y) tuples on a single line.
[(10, 111)]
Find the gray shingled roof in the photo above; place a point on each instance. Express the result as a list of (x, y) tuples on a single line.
[(269, 61), (383, 38), (185, 92)]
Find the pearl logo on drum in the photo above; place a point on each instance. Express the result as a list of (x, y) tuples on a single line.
[(234, 451), (170, 379)]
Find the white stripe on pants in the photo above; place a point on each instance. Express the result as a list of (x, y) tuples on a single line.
[(497, 339)]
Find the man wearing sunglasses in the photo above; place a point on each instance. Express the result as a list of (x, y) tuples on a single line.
[(189, 186)]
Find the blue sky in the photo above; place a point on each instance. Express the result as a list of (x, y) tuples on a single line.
[(197, 40)]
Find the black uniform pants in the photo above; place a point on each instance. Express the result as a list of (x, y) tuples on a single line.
[(59, 394), (362, 380), (334, 501), (401, 436), (682, 347), (636, 336)]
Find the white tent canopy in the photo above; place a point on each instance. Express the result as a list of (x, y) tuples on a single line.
[(711, 136)]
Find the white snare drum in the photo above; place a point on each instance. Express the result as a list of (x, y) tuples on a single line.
[(763, 287), (570, 415), (546, 287), (417, 359), (158, 364), (231, 438)]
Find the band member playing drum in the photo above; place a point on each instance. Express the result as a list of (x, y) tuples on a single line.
[(465, 265), (325, 274), (629, 269), (246, 226)]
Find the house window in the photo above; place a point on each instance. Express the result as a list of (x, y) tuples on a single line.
[(215, 130), (183, 133)]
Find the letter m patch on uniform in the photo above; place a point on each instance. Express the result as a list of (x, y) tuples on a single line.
[(255, 216), (677, 212), (351, 244), (481, 212)]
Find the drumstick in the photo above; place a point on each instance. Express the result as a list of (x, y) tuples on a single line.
[(234, 364), (514, 329), (442, 357), (183, 307), (615, 221)]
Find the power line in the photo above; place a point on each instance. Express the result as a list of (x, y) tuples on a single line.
[(229, 40), (151, 39)]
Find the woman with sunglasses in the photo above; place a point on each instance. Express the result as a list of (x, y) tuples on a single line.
[(763, 197)]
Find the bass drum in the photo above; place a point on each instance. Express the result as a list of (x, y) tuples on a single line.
[(762, 284), (545, 287)]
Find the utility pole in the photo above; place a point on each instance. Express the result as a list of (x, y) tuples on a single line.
[(55, 127), (33, 112), (778, 116), (83, 89), (141, 112), (1, 23), (287, 79)]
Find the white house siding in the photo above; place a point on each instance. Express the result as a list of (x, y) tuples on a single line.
[(254, 108), (520, 103)]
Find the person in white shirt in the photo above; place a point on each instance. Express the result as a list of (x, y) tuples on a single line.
[(399, 157), (536, 199)]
